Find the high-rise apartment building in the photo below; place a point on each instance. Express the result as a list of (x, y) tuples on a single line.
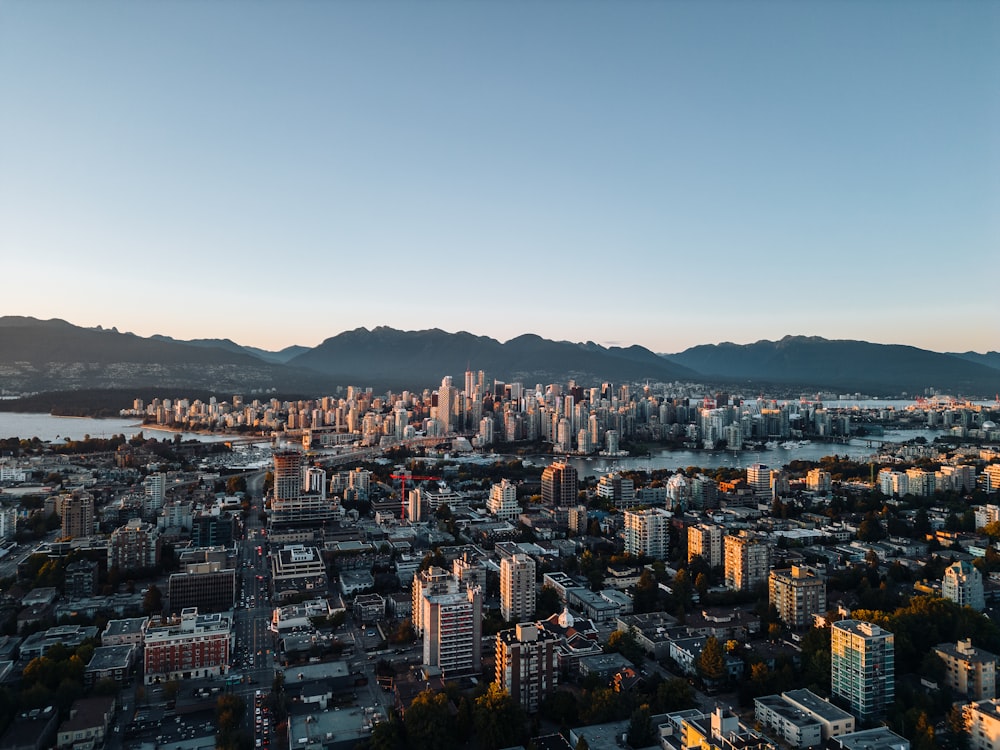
[(502, 501), (155, 490), (798, 593), (453, 631), (759, 479), (620, 490), (705, 541), (527, 664), (8, 521), (287, 474), (560, 485), (818, 480), (747, 560), (430, 582), (78, 515), (647, 533), (134, 546), (517, 587), (963, 584), (863, 667)]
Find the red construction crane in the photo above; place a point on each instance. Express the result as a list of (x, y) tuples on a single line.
[(402, 487)]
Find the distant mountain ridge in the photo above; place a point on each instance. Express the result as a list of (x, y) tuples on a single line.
[(55, 355), (847, 364), (422, 358), (990, 359), (282, 356)]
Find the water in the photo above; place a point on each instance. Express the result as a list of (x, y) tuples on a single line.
[(776, 457), (50, 428)]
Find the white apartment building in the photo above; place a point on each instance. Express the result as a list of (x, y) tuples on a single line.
[(517, 587), (453, 631), (963, 584), (647, 533), (502, 501)]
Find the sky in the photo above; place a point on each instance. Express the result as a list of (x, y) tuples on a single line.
[(658, 173)]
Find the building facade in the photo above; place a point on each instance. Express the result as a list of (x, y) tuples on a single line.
[(517, 587), (969, 671), (798, 593), (863, 667), (527, 664), (560, 485), (647, 533), (747, 560), (189, 647), (705, 541), (963, 584)]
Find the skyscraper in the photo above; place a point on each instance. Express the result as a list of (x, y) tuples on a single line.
[(447, 396), (517, 587), (862, 667), (560, 485)]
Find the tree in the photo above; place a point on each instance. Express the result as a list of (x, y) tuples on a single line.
[(624, 642), (640, 728), (547, 603), (236, 484), (152, 602), (498, 719), (646, 592), (427, 722), (711, 663), (674, 694), (388, 735)]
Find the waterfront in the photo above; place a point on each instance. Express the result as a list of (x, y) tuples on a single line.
[(857, 449), (51, 428)]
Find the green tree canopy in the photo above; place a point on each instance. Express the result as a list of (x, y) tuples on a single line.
[(711, 663)]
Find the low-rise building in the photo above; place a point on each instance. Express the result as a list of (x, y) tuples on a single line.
[(787, 721), (124, 632), (110, 663), (87, 725), (190, 646)]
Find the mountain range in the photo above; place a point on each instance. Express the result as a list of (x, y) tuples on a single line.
[(54, 355)]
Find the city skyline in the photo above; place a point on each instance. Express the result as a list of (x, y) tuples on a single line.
[(665, 174)]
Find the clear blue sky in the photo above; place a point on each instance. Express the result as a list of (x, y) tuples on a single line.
[(660, 173)]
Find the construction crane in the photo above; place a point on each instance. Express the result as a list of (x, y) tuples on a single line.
[(402, 487)]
